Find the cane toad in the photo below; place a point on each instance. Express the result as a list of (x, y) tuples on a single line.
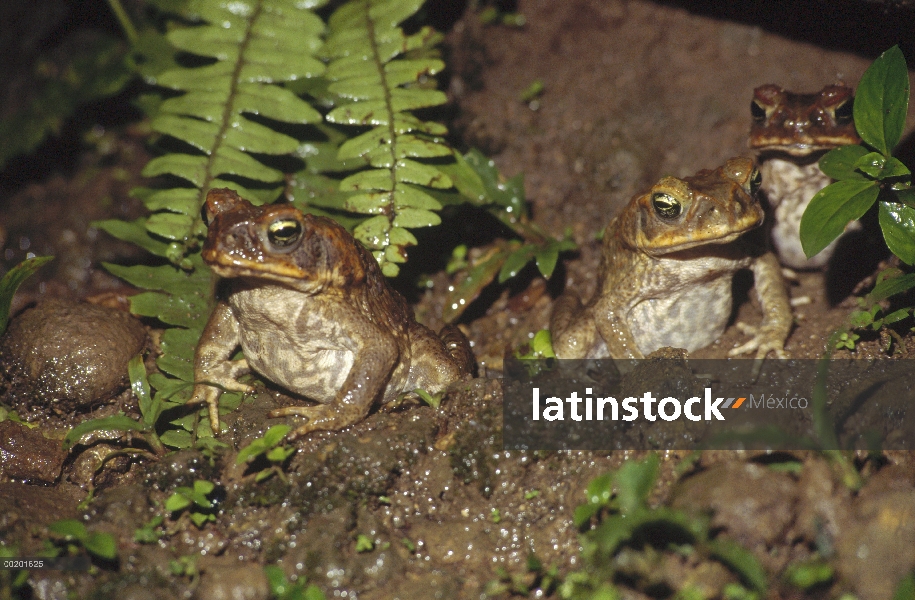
[(312, 312), (792, 132), (667, 263)]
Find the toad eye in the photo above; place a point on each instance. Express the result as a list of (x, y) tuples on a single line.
[(754, 181), (284, 232), (758, 112), (666, 205), (844, 112)]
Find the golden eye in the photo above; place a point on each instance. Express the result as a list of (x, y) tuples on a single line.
[(284, 232), (666, 205), (755, 181), (844, 112), (758, 112)]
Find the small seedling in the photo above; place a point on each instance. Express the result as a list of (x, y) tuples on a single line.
[(364, 543), (616, 515), (150, 409), (847, 340), (535, 577), (185, 566), (433, 400), (185, 497), (150, 533), (282, 589), (809, 574), (11, 282), (271, 448), (871, 314), (74, 535)]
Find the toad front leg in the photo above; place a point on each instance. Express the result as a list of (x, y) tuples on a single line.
[(772, 293), (375, 355), (213, 371)]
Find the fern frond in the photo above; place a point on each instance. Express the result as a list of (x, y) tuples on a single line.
[(222, 111), (254, 45), (376, 78)]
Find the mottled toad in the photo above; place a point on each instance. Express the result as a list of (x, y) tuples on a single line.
[(666, 268), (792, 132), (312, 312)]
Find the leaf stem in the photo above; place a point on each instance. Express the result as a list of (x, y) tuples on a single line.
[(126, 24)]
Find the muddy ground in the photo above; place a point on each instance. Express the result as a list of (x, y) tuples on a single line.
[(632, 91)]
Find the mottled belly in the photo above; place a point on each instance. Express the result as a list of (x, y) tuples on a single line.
[(689, 319), (307, 370)]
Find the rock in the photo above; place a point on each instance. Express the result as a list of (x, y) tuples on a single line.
[(28, 456), (62, 357)]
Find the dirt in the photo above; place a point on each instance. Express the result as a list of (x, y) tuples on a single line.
[(632, 91)]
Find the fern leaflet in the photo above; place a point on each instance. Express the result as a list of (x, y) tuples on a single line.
[(371, 70), (246, 50)]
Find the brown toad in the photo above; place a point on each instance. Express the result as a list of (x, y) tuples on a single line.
[(312, 312), (792, 132), (666, 267)]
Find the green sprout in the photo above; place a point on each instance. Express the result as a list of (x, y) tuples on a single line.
[(616, 516), (364, 543), (11, 282), (74, 535), (271, 448), (282, 589), (150, 409), (186, 497)]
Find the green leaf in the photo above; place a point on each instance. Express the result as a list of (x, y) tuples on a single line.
[(134, 232), (832, 209), (882, 100), (905, 589), (871, 164), (186, 166), (549, 255), (877, 166), (542, 344), (478, 277), (112, 423), (199, 519), (175, 438), (101, 545), (181, 200), (70, 529), (600, 490), (11, 282), (279, 454), (171, 226), (741, 561), (276, 434), (890, 286), (516, 261), (839, 163), (894, 168), (634, 482), (411, 171), (414, 217), (136, 371), (906, 196), (177, 501), (202, 486), (896, 316), (898, 224)]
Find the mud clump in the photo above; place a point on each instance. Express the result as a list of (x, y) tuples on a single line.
[(62, 357)]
